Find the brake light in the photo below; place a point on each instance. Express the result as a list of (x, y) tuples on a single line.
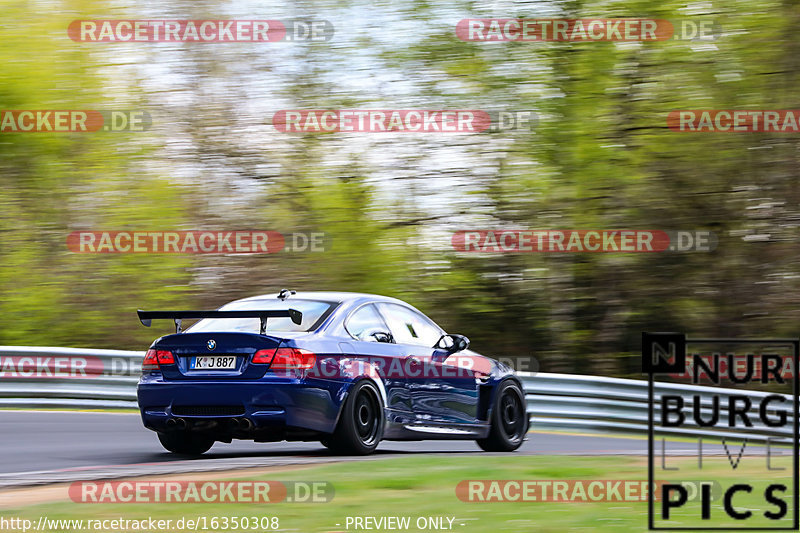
[(150, 361), (293, 358), (286, 358), (263, 356), (165, 357), (155, 357)]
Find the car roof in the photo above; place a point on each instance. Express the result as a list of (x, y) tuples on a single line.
[(326, 296), (346, 300)]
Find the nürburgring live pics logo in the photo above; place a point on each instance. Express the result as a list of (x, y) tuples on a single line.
[(762, 494)]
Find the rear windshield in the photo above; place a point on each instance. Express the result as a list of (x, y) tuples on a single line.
[(313, 311)]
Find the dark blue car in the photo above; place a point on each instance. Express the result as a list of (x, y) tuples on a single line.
[(345, 369)]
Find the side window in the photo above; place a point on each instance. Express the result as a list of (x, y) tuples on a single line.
[(409, 327), (364, 322)]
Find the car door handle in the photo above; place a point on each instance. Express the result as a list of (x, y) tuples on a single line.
[(414, 361)]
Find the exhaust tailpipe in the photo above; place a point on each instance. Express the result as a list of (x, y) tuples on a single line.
[(180, 423), (243, 424)]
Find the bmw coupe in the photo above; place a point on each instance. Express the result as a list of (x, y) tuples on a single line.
[(348, 370)]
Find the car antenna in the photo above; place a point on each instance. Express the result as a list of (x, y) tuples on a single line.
[(285, 293)]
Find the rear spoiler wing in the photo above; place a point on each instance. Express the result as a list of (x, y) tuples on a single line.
[(146, 317)]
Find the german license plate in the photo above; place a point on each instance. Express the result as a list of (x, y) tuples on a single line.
[(213, 362)]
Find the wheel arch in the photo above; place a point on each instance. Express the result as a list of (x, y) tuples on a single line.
[(518, 382), (346, 394)]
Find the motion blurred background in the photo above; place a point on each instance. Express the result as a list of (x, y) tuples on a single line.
[(600, 157)]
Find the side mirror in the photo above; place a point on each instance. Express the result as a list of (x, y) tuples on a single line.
[(452, 343), (382, 336)]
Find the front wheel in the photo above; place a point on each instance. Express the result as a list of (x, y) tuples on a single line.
[(360, 426), (185, 443), (509, 420)]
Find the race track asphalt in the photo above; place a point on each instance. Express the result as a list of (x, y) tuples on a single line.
[(39, 447)]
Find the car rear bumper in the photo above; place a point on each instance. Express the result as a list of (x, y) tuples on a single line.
[(266, 404)]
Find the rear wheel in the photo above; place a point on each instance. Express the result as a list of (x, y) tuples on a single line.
[(509, 422), (360, 425), (185, 443)]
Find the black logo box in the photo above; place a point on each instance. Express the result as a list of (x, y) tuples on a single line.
[(665, 353)]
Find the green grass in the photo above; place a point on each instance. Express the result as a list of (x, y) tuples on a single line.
[(421, 486)]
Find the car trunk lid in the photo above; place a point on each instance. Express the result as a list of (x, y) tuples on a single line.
[(210, 356)]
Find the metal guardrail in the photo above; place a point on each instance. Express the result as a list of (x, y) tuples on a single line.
[(566, 402), (72, 378)]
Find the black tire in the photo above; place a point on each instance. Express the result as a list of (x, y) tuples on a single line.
[(509, 419), (361, 422), (185, 443)]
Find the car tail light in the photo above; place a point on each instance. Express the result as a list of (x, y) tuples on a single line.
[(150, 361), (263, 357), (165, 357), (286, 358), (289, 358), (153, 358)]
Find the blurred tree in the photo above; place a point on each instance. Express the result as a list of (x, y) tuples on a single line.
[(55, 183), (600, 157)]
